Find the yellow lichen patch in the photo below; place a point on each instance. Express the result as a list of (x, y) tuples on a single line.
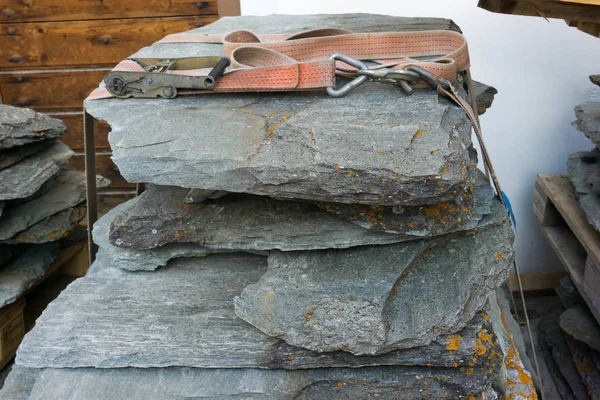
[(286, 117), (290, 357), (340, 384), (453, 342), (418, 133), (273, 112), (469, 371), (391, 126), (351, 174), (308, 314), (271, 130), (431, 211), (337, 167), (499, 256)]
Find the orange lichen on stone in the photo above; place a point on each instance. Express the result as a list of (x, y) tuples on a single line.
[(351, 174), (499, 256), (290, 357), (453, 342), (418, 133), (431, 211), (469, 371), (286, 117), (340, 384)]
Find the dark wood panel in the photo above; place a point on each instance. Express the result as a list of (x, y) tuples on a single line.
[(104, 167), (70, 10), (49, 90), (74, 136), (85, 43)]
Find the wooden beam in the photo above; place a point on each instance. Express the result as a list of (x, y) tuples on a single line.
[(229, 8), (544, 9)]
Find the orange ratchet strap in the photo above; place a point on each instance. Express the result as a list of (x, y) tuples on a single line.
[(306, 61)]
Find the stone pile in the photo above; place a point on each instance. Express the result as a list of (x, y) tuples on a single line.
[(584, 167), (40, 202), (290, 246), (567, 340)]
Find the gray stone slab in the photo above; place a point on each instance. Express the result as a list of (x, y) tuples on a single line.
[(67, 190), (583, 170), (182, 315), (51, 228), (585, 365), (15, 154), (581, 324), (558, 355), (588, 119), (375, 146), (244, 222), (485, 96), (19, 126), (374, 299), (19, 383), (569, 294), (27, 176), (243, 384), (23, 272)]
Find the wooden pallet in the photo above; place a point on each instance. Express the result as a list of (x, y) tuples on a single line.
[(574, 240)]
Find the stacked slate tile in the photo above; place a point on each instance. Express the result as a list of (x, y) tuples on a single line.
[(567, 341), (41, 203), (584, 166), (289, 246)]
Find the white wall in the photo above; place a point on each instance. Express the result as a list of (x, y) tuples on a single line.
[(541, 72)]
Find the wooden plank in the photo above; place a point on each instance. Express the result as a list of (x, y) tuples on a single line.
[(104, 167), (50, 90), (70, 10), (559, 190), (12, 330), (229, 8), (536, 281), (74, 136), (544, 9), (85, 43), (591, 28)]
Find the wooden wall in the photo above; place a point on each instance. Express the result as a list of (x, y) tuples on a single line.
[(54, 53)]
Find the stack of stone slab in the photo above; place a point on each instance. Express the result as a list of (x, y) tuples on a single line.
[(290, 246), (40, 202), (584, 166), (567, 339)]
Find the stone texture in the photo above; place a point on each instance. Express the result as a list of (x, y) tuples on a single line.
[(27, 176), (245, 222), (485, 96), (19, 126), (24, 271), (581, 324), (139, 260), (182, 315), (556, 352), (374, 146), (588, 118), (370, 300), (583, 172), (51, 228), (568, 293), (19, 383), (586, 366), (67, 190), (13, 155), (241, 384)]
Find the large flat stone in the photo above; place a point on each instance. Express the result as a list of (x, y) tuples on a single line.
[(580, 323), (67, 190), (13, 155), (586, 366), (51, 228), (374, 299), (245, 222), (182, 315), (23, 272), (374, 146), (384, 383), (19, 126), (27, 176)]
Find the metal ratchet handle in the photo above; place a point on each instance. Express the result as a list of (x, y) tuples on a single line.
[(216, 72)]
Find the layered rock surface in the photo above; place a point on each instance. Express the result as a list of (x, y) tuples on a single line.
[(182, 315), (27, 176), (373, 299), (244, 222), (374, 146), (588, 118), (66, 190), (20, 126)]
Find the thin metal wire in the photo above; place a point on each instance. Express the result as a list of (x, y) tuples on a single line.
[(490, 167)]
